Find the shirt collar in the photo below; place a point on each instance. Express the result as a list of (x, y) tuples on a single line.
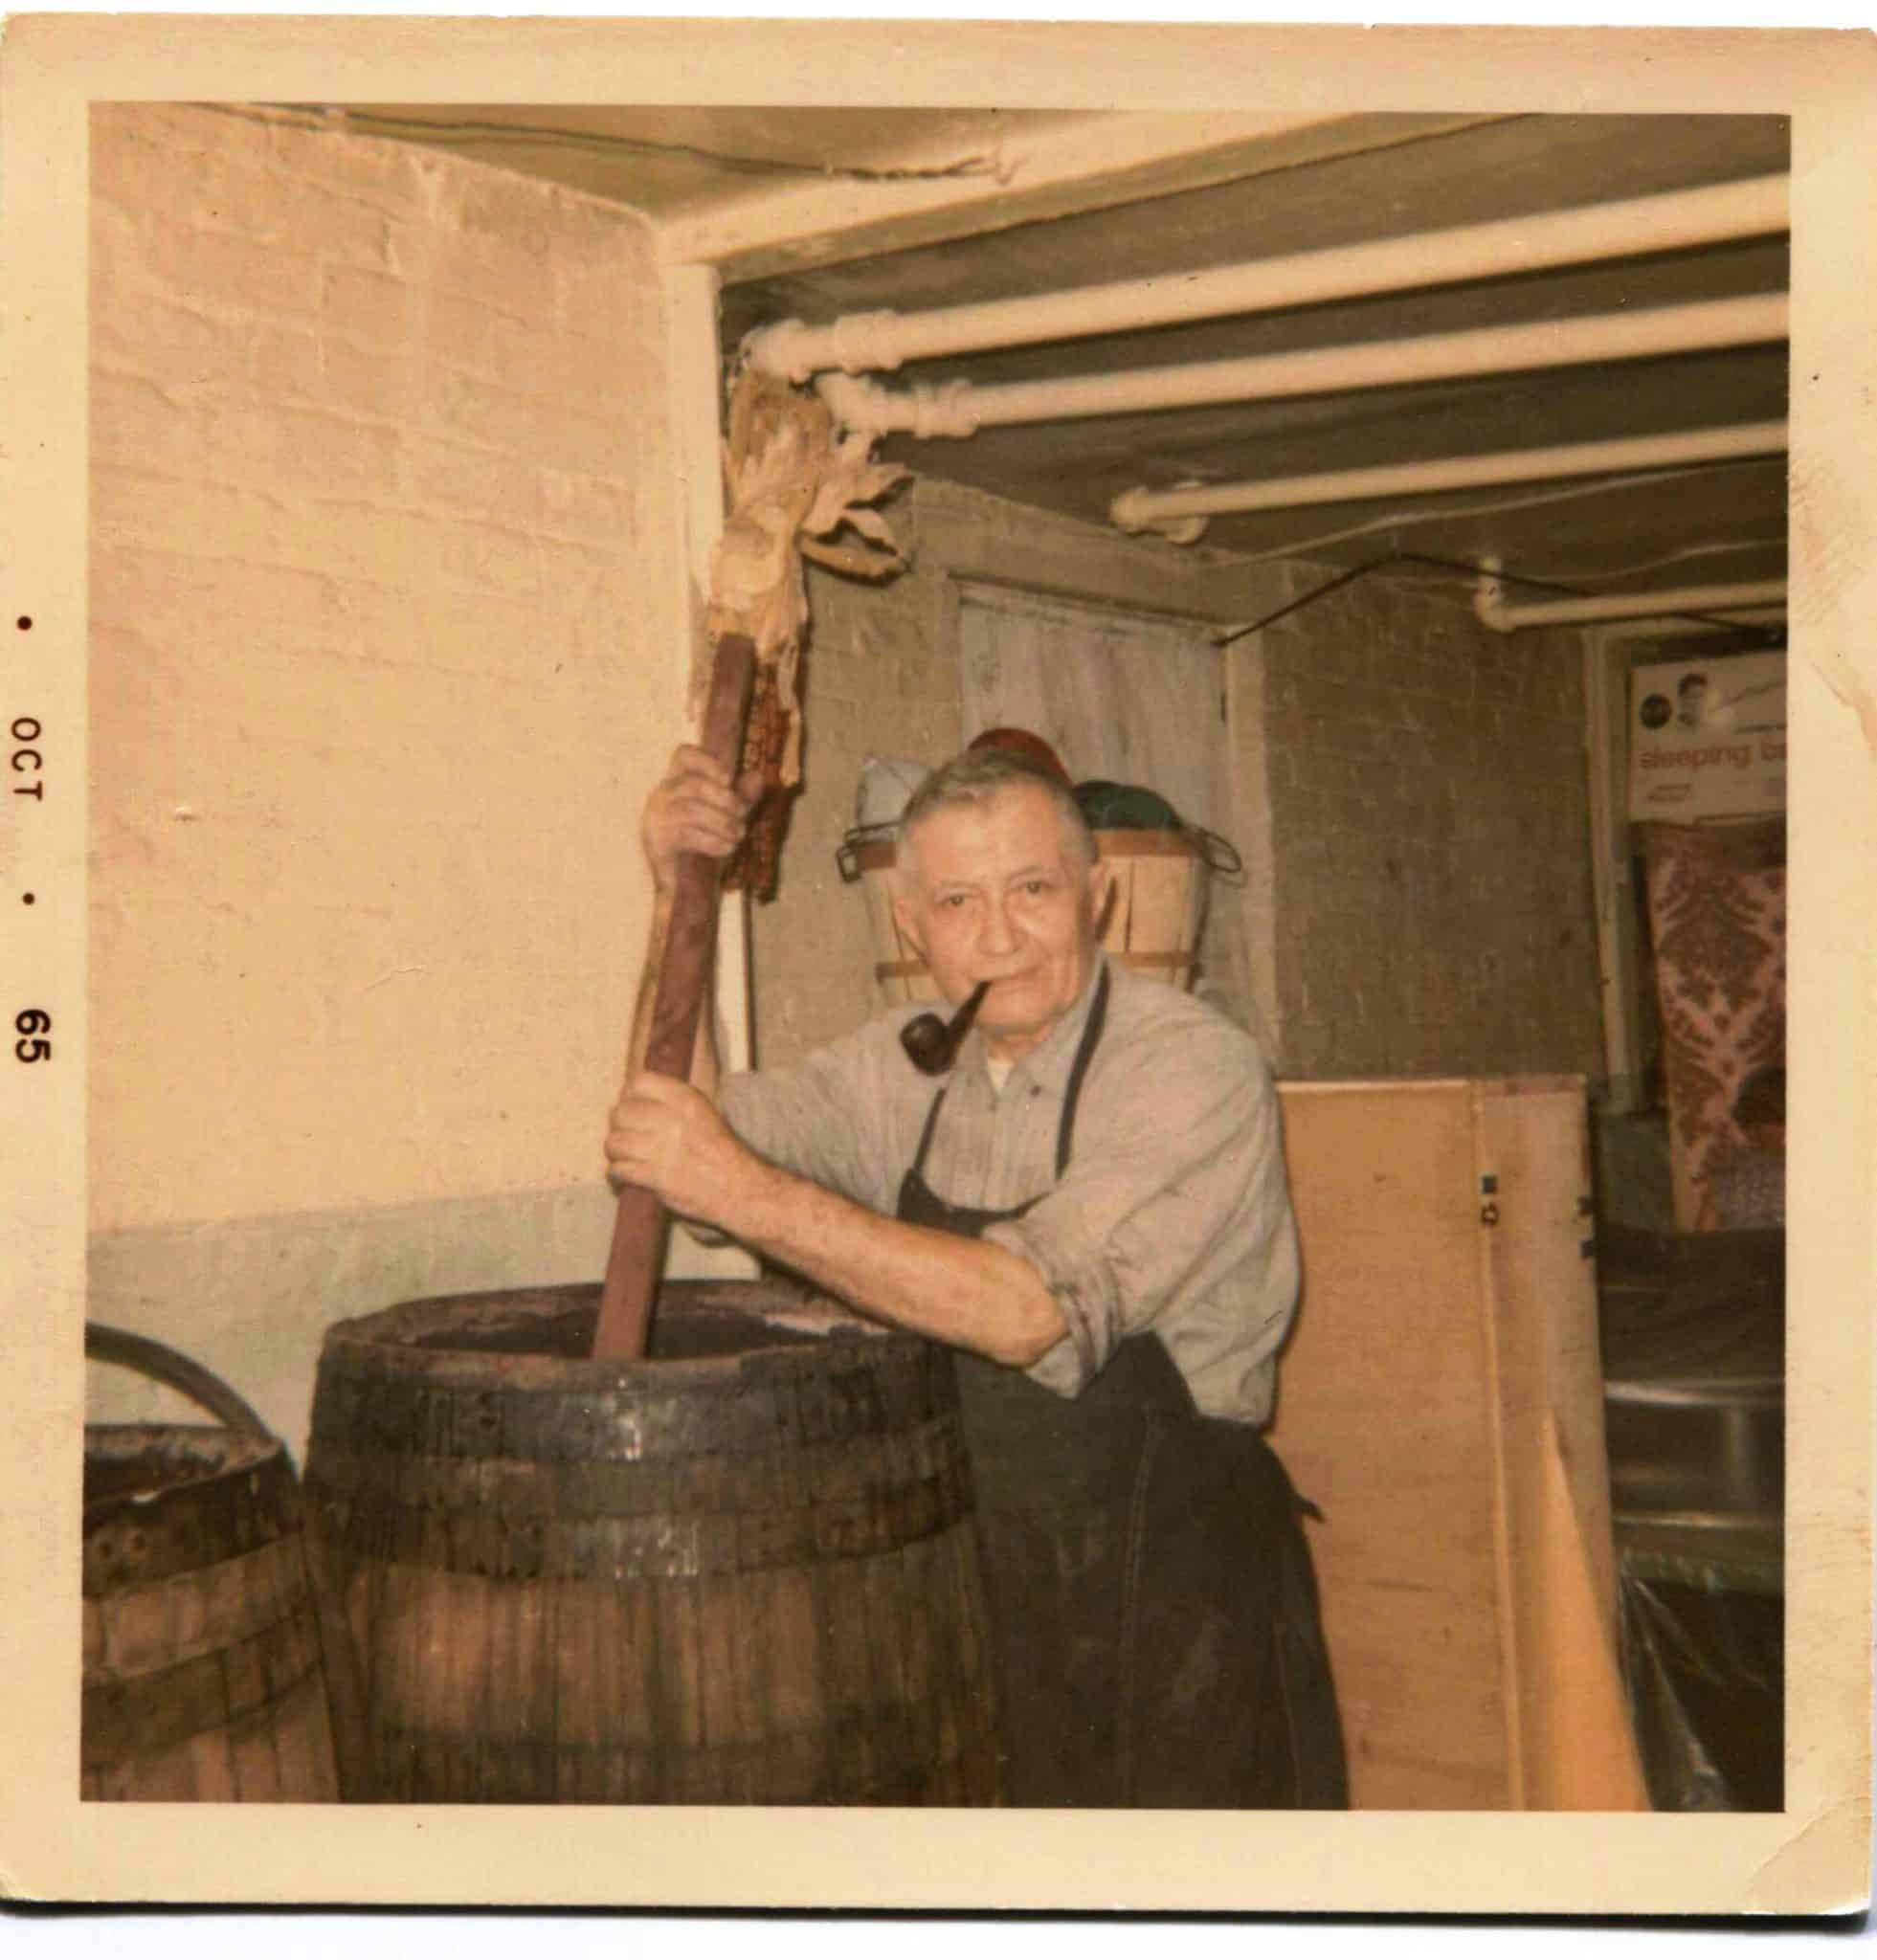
[(1048, 1065)]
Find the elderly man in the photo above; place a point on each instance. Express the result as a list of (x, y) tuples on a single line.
[(1092, 1213)]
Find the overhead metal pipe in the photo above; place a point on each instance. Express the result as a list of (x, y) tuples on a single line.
[(1175, 511), (960, 409), (1667, 222), (1749, 601)]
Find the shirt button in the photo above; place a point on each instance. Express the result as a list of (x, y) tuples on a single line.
[(1036, 1090)]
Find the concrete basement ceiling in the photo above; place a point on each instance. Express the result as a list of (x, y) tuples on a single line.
[(1393, 177), (675, 162)]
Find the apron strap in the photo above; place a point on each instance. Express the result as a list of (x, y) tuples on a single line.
[(1091, 1034), (918, 1170)]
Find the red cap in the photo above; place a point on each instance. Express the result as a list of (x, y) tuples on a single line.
[(1033, 748)]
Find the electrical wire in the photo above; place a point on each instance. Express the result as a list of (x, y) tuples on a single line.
[(1395, 520), (1473, 570), (1733, 546), (1310, 598)]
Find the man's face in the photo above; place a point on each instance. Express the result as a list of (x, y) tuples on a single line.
[(994, 892)]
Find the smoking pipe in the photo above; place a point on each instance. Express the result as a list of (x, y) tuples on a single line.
[(931, 1044)]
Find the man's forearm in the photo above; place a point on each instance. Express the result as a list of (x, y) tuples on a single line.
[(962, 1291)]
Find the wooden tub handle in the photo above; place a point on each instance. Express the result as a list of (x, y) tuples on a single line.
[(161, 1364)]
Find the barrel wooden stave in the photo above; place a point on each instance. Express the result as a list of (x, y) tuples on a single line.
[(744, 1578), (1154, 921), (780, 1687), (203, 1675)]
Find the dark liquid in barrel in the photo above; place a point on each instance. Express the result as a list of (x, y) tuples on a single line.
[(143, 1460), (675, 1336)]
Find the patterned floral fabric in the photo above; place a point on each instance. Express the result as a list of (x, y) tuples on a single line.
[(1717, 908)]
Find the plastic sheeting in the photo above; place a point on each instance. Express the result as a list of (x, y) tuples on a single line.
[(1706, 1673), (1694, 1363)]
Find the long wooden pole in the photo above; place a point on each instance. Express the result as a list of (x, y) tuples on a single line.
[(639, 1227)]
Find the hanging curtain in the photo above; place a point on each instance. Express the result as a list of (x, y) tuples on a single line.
[(1125, 698), (1717, 910)]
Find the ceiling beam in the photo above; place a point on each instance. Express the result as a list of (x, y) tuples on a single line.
[(1085, 163)]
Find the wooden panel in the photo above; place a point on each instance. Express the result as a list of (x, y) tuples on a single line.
[(1575, 1743), (1441, 1399), (1384, 1420)]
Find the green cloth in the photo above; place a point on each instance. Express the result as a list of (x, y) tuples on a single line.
[(1124, 807)]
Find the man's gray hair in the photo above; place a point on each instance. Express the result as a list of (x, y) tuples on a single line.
[(975, 777)]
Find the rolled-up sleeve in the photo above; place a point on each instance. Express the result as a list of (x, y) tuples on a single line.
[(1174, 1216)]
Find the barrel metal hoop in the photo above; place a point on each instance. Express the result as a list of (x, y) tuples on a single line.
[(379, 1527), (725, 1416), (145, 1713), (134, 1540)]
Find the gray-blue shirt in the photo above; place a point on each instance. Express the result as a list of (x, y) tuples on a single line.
[(1173, 1215)]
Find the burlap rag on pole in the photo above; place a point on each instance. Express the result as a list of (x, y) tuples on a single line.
[(792, 482)]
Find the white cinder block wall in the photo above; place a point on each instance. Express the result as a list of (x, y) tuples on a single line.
[(1430, 837), (389, 627)]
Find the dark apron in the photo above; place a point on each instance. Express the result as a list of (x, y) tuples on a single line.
[(1154, 1608)]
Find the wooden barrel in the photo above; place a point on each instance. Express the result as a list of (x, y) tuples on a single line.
[(203, 1671), (741, 1571), (1152, 924)]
